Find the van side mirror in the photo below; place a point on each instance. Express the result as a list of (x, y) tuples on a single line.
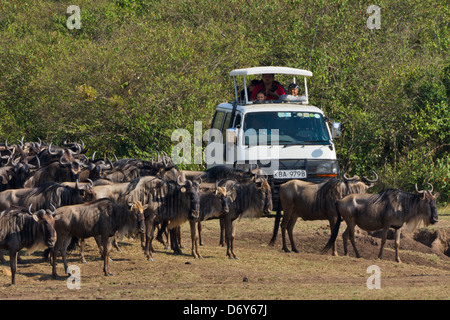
[(336, 129)]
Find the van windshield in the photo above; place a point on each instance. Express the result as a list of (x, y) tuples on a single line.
[(293, 128)]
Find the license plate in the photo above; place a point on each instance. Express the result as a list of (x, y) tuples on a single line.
[(289, 174)]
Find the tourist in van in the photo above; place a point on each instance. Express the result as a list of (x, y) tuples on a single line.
[(272, 89), (293, 89), (260, 96), (250, 88)]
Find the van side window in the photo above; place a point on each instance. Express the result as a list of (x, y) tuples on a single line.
[(237, 121), (218, 119), (226, 125)]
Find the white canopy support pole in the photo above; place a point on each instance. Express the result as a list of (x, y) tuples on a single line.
[(245, 90), (306, 92), (235, 89)]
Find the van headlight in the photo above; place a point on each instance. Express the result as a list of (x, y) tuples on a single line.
[(323, 166)]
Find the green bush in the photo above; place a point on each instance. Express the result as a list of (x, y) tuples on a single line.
[(137, 70)]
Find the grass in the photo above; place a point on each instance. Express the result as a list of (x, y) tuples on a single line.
[(271, 273)]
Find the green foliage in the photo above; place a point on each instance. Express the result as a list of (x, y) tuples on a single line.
[(136, 70)]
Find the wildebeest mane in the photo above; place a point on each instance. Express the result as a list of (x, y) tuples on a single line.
[(329, 190), (408, 201), (222, 172), (170, 197), (244, 195), (20, 222), (52, 193)]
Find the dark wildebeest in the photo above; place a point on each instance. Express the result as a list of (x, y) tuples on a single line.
[(167, 200), (246, 199), (391, 208), (213, 203), (312, 201), (22, 229), (45, 195), (97, 218)]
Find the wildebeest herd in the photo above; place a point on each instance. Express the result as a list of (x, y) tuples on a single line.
[(53, 197)]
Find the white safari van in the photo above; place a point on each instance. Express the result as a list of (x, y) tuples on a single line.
[(286, 138)]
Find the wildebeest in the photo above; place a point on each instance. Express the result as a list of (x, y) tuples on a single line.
[(213, 203), (167, 200), (391, 208), (312, 201), (20, 228), (45, 195), (97, 218), (246, 199)]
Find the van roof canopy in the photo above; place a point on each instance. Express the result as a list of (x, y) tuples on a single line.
[(268, 70)]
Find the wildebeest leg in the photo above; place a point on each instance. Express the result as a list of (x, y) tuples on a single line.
[(178, 237), (383, 241), (149, 229), (222, 232), (61, 244), (107, 244), (13, 264), (115, 243), (351, 231), (230, 241), (284, 223), (229, 235), (345, 240), (174, 242), (290, 229), (397, 245), (194, 238), (82, 245), (199, 227), (332, 224)]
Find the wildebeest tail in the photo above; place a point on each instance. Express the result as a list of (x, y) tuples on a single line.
[(276, 224), (73, 243), (334, 232)]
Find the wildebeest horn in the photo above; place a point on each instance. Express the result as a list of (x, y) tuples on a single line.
[(54, 209), (431, 187), (59, 153), (129, 202), (63, 162), (355, 177), (421, 191), (180, 183), (372, 181), (29, 209)]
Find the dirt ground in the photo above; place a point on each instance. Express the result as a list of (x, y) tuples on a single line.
[(262, 272)]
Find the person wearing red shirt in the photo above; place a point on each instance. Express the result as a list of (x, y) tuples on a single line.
[(273, 90)]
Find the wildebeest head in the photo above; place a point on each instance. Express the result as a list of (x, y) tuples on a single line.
[(192, 189), (264, 187), (355, 185), (221, 193), (86, 190), (428, 208), (137, 209), (46, 219)]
